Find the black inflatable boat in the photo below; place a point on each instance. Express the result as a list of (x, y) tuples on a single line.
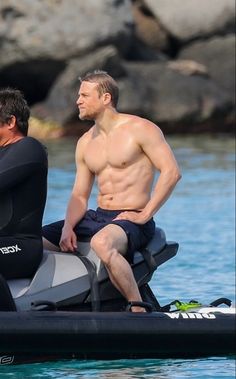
[(70, 309)]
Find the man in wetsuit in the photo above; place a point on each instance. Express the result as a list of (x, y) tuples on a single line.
[(23, 187), (123, 152)]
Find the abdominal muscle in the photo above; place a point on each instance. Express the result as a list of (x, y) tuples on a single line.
[(126, 189)]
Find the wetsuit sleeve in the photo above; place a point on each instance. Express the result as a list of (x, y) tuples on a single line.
[(18, 162)]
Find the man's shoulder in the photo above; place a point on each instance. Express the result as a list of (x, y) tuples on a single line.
[(138, 123), (87, 136), (33, 146), (30, 141)]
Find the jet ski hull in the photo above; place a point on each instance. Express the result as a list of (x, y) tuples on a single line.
[(35, 336)]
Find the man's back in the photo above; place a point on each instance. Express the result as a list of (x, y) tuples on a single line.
[(23, 187)]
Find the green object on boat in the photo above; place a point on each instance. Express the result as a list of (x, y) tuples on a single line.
[(181, 306)]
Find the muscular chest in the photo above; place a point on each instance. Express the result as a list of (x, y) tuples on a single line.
[(116, 152)]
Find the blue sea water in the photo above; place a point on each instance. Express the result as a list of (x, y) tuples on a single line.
[(200, 215)]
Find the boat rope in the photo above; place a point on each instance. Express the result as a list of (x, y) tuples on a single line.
[(94, 287)]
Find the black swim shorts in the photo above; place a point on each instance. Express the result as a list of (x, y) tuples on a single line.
[(138, 235)]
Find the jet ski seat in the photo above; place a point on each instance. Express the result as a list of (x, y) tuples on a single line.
[(64, 278)]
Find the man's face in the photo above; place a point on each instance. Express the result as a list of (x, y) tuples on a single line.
[(89, 103)]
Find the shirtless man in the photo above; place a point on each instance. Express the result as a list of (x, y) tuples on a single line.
[(123, 152)]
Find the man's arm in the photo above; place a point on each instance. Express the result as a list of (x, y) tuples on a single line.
[(20, 161), (78, 202), (154, 145), (159, 152)]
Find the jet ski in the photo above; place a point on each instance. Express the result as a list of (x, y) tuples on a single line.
[(70, 309)]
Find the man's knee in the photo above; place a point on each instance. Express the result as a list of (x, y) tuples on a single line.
[(102, 245), (100, 242)]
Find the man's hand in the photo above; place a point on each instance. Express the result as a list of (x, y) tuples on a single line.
[(68, 241), (136, 217)]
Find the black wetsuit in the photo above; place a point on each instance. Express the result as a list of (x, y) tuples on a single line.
[(23, 190)]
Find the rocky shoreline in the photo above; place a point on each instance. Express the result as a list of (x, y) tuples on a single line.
[(174, 60)]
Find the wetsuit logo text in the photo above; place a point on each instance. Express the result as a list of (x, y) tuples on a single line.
[(9, 249)]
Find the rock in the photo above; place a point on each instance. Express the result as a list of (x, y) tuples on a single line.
[(60, 30), (217, 54), (148, 28), (43, 129), (188, 67), (189, 19), (173, 60), (173, 100)]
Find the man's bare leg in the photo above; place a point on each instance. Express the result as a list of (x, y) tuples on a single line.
[(126, 283), (110, 244)]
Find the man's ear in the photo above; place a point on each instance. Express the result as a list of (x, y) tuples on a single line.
[(11, 122), (107, 98)]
